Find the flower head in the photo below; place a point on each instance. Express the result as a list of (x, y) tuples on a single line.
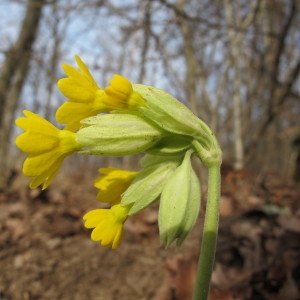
[(113, 184), (46, 145), (121, 95), (108, 224), (85, 96)]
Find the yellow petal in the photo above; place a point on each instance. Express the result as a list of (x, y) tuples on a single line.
[(118, 238), (70, 71), (109, 234), (45, 177), (38, 164), (30, 142), (120, 94), (81, 92), (93, 217), (71, 112), (121, 84), (107, 224), (99, 232), (46, 145), (35, 123), (113, 184), (82, 66)]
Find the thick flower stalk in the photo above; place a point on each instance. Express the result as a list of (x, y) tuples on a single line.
[(46, 146)]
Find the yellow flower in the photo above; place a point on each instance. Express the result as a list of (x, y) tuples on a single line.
[(85, 96), (108, 224), (113, 184), (46, 145), (120, 94)]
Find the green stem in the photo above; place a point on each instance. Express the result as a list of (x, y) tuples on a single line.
[(208, 247)]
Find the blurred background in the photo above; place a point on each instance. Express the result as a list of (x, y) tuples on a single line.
[(235, 64)]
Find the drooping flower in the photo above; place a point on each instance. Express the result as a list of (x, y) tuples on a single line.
[(113, 184), (46, 146), (85, 96), (108, 224)]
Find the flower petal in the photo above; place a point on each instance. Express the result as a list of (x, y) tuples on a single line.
[(113, 184), (46, 145), (108, 224)]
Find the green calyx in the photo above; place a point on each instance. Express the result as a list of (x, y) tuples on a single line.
[(179, 203), (117, 134), (167, 112), (172, 144), (185, 128), (150, 181)]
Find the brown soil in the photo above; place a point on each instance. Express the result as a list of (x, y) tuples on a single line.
[(45, 253)]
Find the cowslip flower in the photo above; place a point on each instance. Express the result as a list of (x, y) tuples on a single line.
[(46, 146), (85, 96), (108, 224), (87, 99), (120, 94), (113, 184)]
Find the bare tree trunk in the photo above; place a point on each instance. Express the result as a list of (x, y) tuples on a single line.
[(237, 117), (146, 36), (12, 77), (235, 42), (277, 89), (189, 53)]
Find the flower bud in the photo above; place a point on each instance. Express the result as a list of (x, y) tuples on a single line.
[(179, 203), (192, 209)]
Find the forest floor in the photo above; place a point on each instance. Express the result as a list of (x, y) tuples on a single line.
[(45, 253)]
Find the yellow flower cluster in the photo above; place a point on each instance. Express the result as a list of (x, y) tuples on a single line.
[(108, 223), (87, 99), (123, 119), (47, 146)]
